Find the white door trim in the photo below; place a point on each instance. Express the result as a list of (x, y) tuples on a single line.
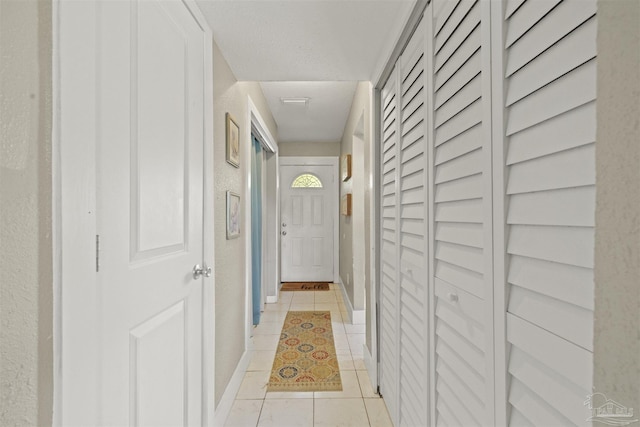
[(256, 124), (74, 203), (371, 181), (322, 161)]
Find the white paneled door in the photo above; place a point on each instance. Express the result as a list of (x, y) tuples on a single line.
[(149, 124), (308, 207), (150, 217)]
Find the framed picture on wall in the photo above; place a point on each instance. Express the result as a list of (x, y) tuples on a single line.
[(345, 167), (233, 215), (345, 205), (233, 142)]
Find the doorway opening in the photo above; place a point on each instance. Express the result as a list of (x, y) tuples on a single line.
[(309, 219)]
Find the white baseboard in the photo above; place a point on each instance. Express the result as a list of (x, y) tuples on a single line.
[(356, 317), (371, 366), (272, 299), (224, 407)]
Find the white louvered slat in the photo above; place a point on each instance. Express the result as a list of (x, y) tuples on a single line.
[(460, 167), (565, 206), (566, 17), (461, 10), (567, 169), (555, 316), (462, 76), (463, 98), (441, 13), (466, 188), (460, 277), (567, 360), (464, 143), (552, 99), (465, 211), (452, 360), (560, 281), (569, 53), (542, 381), (512, 6), (569, 130), (566, 245), (530, 13), (463, 234), (460, 31), (550, 195), (447, 69)]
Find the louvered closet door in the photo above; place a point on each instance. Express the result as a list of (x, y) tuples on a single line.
[(462, 278), (550, 176), (413, 274), (404, 273), (388, 249)]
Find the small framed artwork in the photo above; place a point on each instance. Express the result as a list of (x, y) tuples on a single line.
[(346, 167), (233, 142), (233, 215), (345, 205)]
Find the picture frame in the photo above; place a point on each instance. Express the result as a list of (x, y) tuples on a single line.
[(345, 167), (233, 215), (233, 141), (345, 205)]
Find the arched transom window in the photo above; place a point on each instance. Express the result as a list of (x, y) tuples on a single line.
[(306, 180)]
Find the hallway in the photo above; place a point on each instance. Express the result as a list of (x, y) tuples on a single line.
[(356, 405)]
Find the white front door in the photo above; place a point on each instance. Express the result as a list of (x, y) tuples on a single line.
[(149, 141), (308, 205)]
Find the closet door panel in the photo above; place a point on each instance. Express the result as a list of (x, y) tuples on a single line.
[(413, 372), (463, 342), (388, 299), (550, 56)]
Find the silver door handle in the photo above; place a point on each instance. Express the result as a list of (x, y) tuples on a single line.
[(284, 233), (201, 271), (284, 224)]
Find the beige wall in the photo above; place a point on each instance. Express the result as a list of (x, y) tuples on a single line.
[(230, 275), (26, 289), (315, 149), (353, 247), (617, 249)]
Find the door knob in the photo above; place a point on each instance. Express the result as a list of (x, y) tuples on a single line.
[(201, 271), (284, 224), (284, 233)]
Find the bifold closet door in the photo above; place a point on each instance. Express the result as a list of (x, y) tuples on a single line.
[(550, 115), (388, 305), (404, 327), (462, 280), (413, 271)]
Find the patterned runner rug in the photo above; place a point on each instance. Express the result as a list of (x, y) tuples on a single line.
[(306, 358), (305, 286)]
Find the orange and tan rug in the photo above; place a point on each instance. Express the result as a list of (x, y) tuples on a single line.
[(305, 286), (306, 357)]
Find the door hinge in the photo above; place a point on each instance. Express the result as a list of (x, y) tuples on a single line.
[(97, 253)]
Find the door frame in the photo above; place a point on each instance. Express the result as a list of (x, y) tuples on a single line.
[(74, 196), (256, 124), (335, 187)]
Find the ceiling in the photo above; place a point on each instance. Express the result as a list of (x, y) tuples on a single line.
[(293, 45), (323, 117)]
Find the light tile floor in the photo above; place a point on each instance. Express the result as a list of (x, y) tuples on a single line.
[(356, 405)]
